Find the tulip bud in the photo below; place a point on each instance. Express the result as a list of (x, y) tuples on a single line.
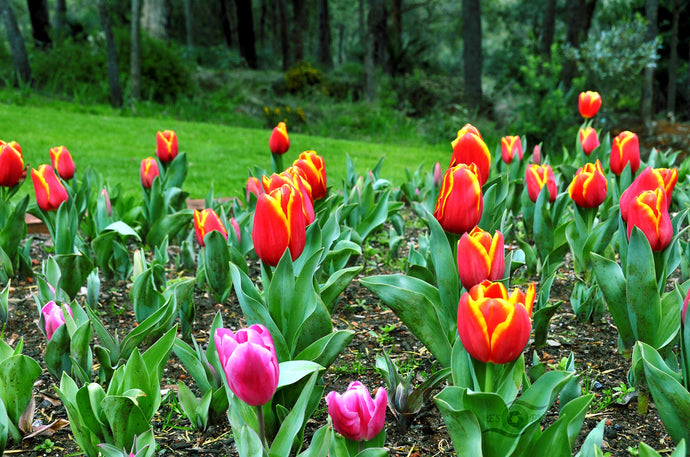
[(148, 172), (314, 168), (536, 154), (589, 139), (355, 414), (206, 221), (469, 148), (254, 186), (236, 227), (589, 186), (62, 162), (108, 205), (536, 176), (480, 257), (166, 145), (279, 142), (684, 311), (625, 149), (460, 202), (649, 179), (438, 174), (493, 326), (509, 146), (50, 193), (53, 317), (11, 164), (589, 103), (648, 211), (250, 363)]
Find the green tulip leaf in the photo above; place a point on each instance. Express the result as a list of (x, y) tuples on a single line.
[(325, 350), (168, 226), (249, 443), (57, 353), (217, 265), (320, 443), (613, 285), (446, 270), (190, 360), (79, 267), (641, 289), (125, 418), (18, 373), (294, 421), (4, 427), (337, 282)]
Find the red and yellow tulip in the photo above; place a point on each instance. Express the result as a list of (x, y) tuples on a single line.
[(294, 177), (62, 162), (494, 326), (460, 202), (649, 179), (468, 148), (11, 164), (166, 145), (206, 221), (50, 193), (279, 142), (510, 145), (648, 211), (480, 257), (538, 176), (589, 103), (314, 168), (589, 186), (589, 139), (148, 172), (625, 149)]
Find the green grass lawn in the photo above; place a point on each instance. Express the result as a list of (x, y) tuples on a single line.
[(217, 154)]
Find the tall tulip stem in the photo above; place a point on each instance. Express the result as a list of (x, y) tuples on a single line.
[(261, 425), (489, 377), (277, 162)]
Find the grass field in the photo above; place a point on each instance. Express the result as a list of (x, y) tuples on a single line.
[(115, 145)]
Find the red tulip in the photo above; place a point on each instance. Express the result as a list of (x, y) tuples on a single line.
[(53, 317), (254, 186), (460, 202), (279, 142), (206, 221), (355, 414), (589, 186), (625, 149), (166, 145), (236, 227), (493, 326), (509, 146), (62, 162), (648, 211), (589, 139), (294, 177), (314, 168), (11, 164), (148, 172), (468, 148), (50, 193), (589, 103), (649, 179), (480, 257), (536, 154), (279, 224), (536, 176)]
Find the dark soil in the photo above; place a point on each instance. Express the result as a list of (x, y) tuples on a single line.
[(376, 328)]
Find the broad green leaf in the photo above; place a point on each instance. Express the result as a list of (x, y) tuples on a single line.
[(188, 402), (293, 423), (125, 418), (593, 441), (641, 289), (325, 350), (168, 226), (293, 371), (79, 267), (336, 283), (445, 267), (123, 229), (248, 443), (613, 285), (217, 265), (192, 364), (17, 376), (320, 443)]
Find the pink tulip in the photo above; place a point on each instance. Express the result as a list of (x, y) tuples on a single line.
[(249, 360), (52, 314), (355, 414)]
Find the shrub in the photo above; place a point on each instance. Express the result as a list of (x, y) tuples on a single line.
[(302, 75)]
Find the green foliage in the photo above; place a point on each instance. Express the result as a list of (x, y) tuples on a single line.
[(294, 118), (301, 76)]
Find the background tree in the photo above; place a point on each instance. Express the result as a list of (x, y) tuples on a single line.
[(245, 31), (111, 53), (472, 52), (135, 55), (154, 18), (651, 14), (20, 58), (40, 22), (325, 57)]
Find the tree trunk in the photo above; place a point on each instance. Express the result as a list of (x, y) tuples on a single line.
[(189, 26), (154, 18), (20, 59), (262, 24), (363, 34), (40, 23), (245, 31), (378, 27), (324, 55), (472, 52), (369, 68), (647, 102), (225, 23), (396, 36), (135, 56), (111, 55), (548, 29), (284, 38), (298, 27), (673, 61), (579, 18), (61, 19)]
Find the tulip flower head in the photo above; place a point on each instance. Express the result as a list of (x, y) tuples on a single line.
[(648, 211), (649, 179), (480, 257), (62, 162), (294, 177), (468, 148), (625, 149), (279, 142), (11, 164), (538, 176), (149, 172), (511, 145), (355, 414), (494, 326), (589, 139), (166, 145), (684, 311), (536, 154), (438, 174), (589, 186), (53, 317), (314, 168), (589, 103), (50, 192), (236, 228), (460, 202), (249, 361), (206, 221)]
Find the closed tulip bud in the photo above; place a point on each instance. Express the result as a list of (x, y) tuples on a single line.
[(589, 103), (279, 142), (494, 326), (589, 186), (536, 154), (249, 361), (649, 179), (468, 148), (684, 311), (254, 186), (648, 211), (438, 174), (149, 171), (460, 202), (355, 414), (480, 257), (166, 145), (11, 164), (279, 224), (314, 168), (510, 145), (589, 139), (106, 199), (538, 176), (50, 193), (62, 162), (625, 149), (236, 228), (206, 221), (53, 317)]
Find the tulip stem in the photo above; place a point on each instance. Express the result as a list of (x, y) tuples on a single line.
[(261, 425), (489, 377), (277, 163)]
